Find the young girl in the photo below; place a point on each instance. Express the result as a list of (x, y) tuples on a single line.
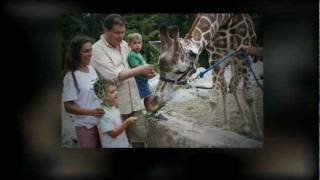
[(78, 95), (111, 127)]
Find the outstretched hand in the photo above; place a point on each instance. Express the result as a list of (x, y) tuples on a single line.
[(98, 112), (132, 119), (151, 75), (243, 47), (251, 50), (147, 70)]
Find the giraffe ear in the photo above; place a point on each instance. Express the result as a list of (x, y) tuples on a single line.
[(174, 32), (155, 44), (164, 36)]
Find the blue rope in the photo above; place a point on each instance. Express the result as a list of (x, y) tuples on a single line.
[(244, 56), (217, 63)]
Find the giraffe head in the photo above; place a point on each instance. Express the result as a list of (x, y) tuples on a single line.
[(175, 63)]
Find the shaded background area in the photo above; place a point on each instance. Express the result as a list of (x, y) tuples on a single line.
[(33, 44)]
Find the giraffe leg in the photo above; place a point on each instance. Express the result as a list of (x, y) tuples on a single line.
[(216, 87), (214, 99), (234, 82), (226, 124), (249, 99)]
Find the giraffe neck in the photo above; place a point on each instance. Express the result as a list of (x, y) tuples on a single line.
[(195, 22), (205, 27)]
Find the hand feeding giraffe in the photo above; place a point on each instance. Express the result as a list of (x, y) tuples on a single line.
[(217, 34)]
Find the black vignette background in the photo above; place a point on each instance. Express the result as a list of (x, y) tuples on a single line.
[(32, 89)]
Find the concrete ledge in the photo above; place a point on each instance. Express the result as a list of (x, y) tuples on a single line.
[(181, 133)]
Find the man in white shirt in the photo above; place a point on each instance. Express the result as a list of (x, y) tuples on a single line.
[(109, 57)]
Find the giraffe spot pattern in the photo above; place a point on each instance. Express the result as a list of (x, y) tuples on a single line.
[(207, 36), (216, 69), (214, 79), (221, 43), (220, 19), (204, 25), (253, 41), (240, 30), (246, 41), (235, 41), (244, 70), (197, 35), (249, 27), (213, 17), (236, 18)]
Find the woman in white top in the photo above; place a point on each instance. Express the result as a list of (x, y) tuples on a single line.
[(78, 95)]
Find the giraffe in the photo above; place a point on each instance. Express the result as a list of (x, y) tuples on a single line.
[(215, 33)]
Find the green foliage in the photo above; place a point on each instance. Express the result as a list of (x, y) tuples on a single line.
[(72, 25), (99, 89)]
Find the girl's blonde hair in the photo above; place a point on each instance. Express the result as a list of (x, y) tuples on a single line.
[(134, 36)]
